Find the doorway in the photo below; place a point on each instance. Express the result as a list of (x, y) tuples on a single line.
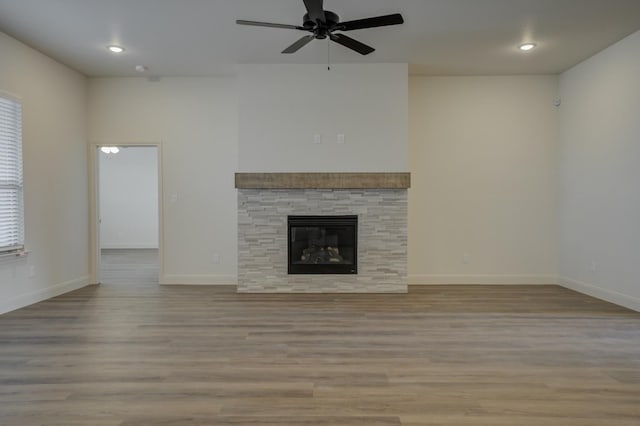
[(128, 216)]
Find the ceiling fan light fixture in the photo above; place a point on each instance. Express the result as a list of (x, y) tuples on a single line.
[(525, 47)]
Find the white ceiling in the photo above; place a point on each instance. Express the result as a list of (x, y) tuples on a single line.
[(200, 37)]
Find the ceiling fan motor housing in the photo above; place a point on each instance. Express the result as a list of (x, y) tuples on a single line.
[(321, 29)]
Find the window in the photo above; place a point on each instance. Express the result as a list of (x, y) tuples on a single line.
[(11, 204)]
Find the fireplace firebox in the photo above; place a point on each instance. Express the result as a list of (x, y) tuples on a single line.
[(323, 244)]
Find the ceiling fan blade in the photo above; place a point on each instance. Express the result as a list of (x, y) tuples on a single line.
[(315, 10), (378, 21), (268, 24), (298, 44), (352, 44)]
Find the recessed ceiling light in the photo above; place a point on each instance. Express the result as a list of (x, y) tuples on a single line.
[(115, 49), (526, 46), (141, 68)]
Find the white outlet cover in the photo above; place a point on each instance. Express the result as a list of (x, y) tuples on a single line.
[(341, 139), (317, 138)]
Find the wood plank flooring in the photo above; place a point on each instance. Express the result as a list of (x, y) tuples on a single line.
[(129, 266), (441, 355)]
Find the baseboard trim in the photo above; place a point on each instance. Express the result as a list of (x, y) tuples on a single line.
[(601, 293), (482, 279), (199, 280), (43, 294)]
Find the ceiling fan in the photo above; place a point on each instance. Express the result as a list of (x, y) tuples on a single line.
[(322, 24)]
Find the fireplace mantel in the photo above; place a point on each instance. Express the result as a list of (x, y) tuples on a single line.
[(323, 180)]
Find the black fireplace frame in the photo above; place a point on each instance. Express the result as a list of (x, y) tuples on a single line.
[(293, 268)]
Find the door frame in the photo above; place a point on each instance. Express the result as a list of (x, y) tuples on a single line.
[(94, 206)]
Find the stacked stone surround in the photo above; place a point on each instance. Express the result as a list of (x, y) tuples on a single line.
[(262, 239)]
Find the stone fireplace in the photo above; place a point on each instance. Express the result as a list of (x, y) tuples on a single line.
[(269, 202)]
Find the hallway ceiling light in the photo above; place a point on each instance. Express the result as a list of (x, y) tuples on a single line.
[(110, 149)]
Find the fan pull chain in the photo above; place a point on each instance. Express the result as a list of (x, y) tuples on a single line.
[(328, 53)]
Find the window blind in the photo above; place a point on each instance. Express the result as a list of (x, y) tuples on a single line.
[(11, 198)]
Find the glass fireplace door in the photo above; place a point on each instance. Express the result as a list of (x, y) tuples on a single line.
[(323, 244)]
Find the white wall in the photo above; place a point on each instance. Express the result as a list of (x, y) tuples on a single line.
[(129, 198), (55, 177), (483, 163), (281, 107), (195, 119), (600, 175)]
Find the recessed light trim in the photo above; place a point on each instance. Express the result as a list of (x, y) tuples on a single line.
[(115, 49), (525, 47)]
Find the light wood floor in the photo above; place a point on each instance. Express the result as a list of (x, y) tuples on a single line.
[(457, 355), (129, 266)]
